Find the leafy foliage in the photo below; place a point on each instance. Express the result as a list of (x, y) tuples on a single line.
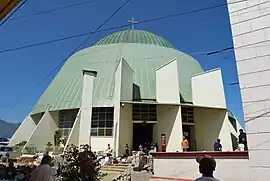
[(80, 166)]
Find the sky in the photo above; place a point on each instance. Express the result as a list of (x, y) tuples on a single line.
[(22, 70)]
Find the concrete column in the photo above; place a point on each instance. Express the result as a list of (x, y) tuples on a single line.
[(86, 106)]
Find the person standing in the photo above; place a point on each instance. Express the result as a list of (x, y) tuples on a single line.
[(44, 172), (127, 150), (217, 145), (242, 139), (207, 166), (185, 144)]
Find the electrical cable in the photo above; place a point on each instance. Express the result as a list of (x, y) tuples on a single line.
[(81, 44), (53, 10), (116, 27)]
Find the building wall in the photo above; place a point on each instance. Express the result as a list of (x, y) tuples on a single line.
[(23, 132), (101, 143), (43, 133), (169, 122), (167, 84), (227, 169), (251, 36), (208, 89), (126, 127), (126, 82), (211, 124)]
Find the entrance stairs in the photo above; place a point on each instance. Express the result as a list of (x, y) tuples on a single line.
[(115, 168), (116, 172)]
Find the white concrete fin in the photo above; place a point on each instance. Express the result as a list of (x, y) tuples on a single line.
[(126, 81), (43, 133), (23, 132), (74, 133), (208, 89), (86, 106), (167, 83)]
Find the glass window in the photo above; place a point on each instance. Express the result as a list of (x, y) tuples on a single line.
[(144, 112), (102, 121), (94, 132), (187, 114), (101, 132), (109, 132)]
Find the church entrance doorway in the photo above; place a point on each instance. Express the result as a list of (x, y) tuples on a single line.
[(142, 134), (189, 133)]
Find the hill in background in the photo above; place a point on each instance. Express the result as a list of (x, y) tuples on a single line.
[(7, 129)]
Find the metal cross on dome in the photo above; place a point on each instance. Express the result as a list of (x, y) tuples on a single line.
[(132, 22)]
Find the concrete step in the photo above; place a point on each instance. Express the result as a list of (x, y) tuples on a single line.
[(116, 167), (111, 171)]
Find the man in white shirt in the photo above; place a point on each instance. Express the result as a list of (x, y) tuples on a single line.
[(44, 172), (207, 165)]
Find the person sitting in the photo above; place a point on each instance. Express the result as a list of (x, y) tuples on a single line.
[(207, 166), (217, 145)]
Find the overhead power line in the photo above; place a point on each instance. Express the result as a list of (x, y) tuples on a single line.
[(12, 13), (53, 10), (117, 27), (85, 41), (81, 44)]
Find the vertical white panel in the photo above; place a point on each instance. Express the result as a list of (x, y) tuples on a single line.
[(211, 124), (86, 106), (167, 84), (126, 127), (43, 133), (169, 122), (208, 90), (117, 97), (126, 82), (23, 132)]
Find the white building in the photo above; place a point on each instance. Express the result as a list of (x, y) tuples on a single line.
[(129, 88), (251, 35)]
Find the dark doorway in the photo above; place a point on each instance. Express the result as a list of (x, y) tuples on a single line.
[(189, 133), (142, 133)]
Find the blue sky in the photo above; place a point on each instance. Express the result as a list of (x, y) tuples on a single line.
[(22, 70)]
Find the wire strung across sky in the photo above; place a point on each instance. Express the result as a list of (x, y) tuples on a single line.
[(117, 27), (102, 30), (55, 9), (81, 44)]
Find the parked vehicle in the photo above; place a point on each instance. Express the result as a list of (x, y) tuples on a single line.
[(4, 141), (5, 153)]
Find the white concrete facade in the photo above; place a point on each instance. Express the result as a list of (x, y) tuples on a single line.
[(227, 169), (86, 107), (212, 114), (208, 89), (251, 36)]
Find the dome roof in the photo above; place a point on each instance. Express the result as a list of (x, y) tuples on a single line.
[(135, 36), (65, 91)]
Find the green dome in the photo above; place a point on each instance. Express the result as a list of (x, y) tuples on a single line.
[(143, 56), (134, 36)]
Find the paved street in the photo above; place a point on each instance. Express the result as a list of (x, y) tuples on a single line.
[(140, 176)]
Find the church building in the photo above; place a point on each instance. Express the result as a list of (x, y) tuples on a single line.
[(131, 87)]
